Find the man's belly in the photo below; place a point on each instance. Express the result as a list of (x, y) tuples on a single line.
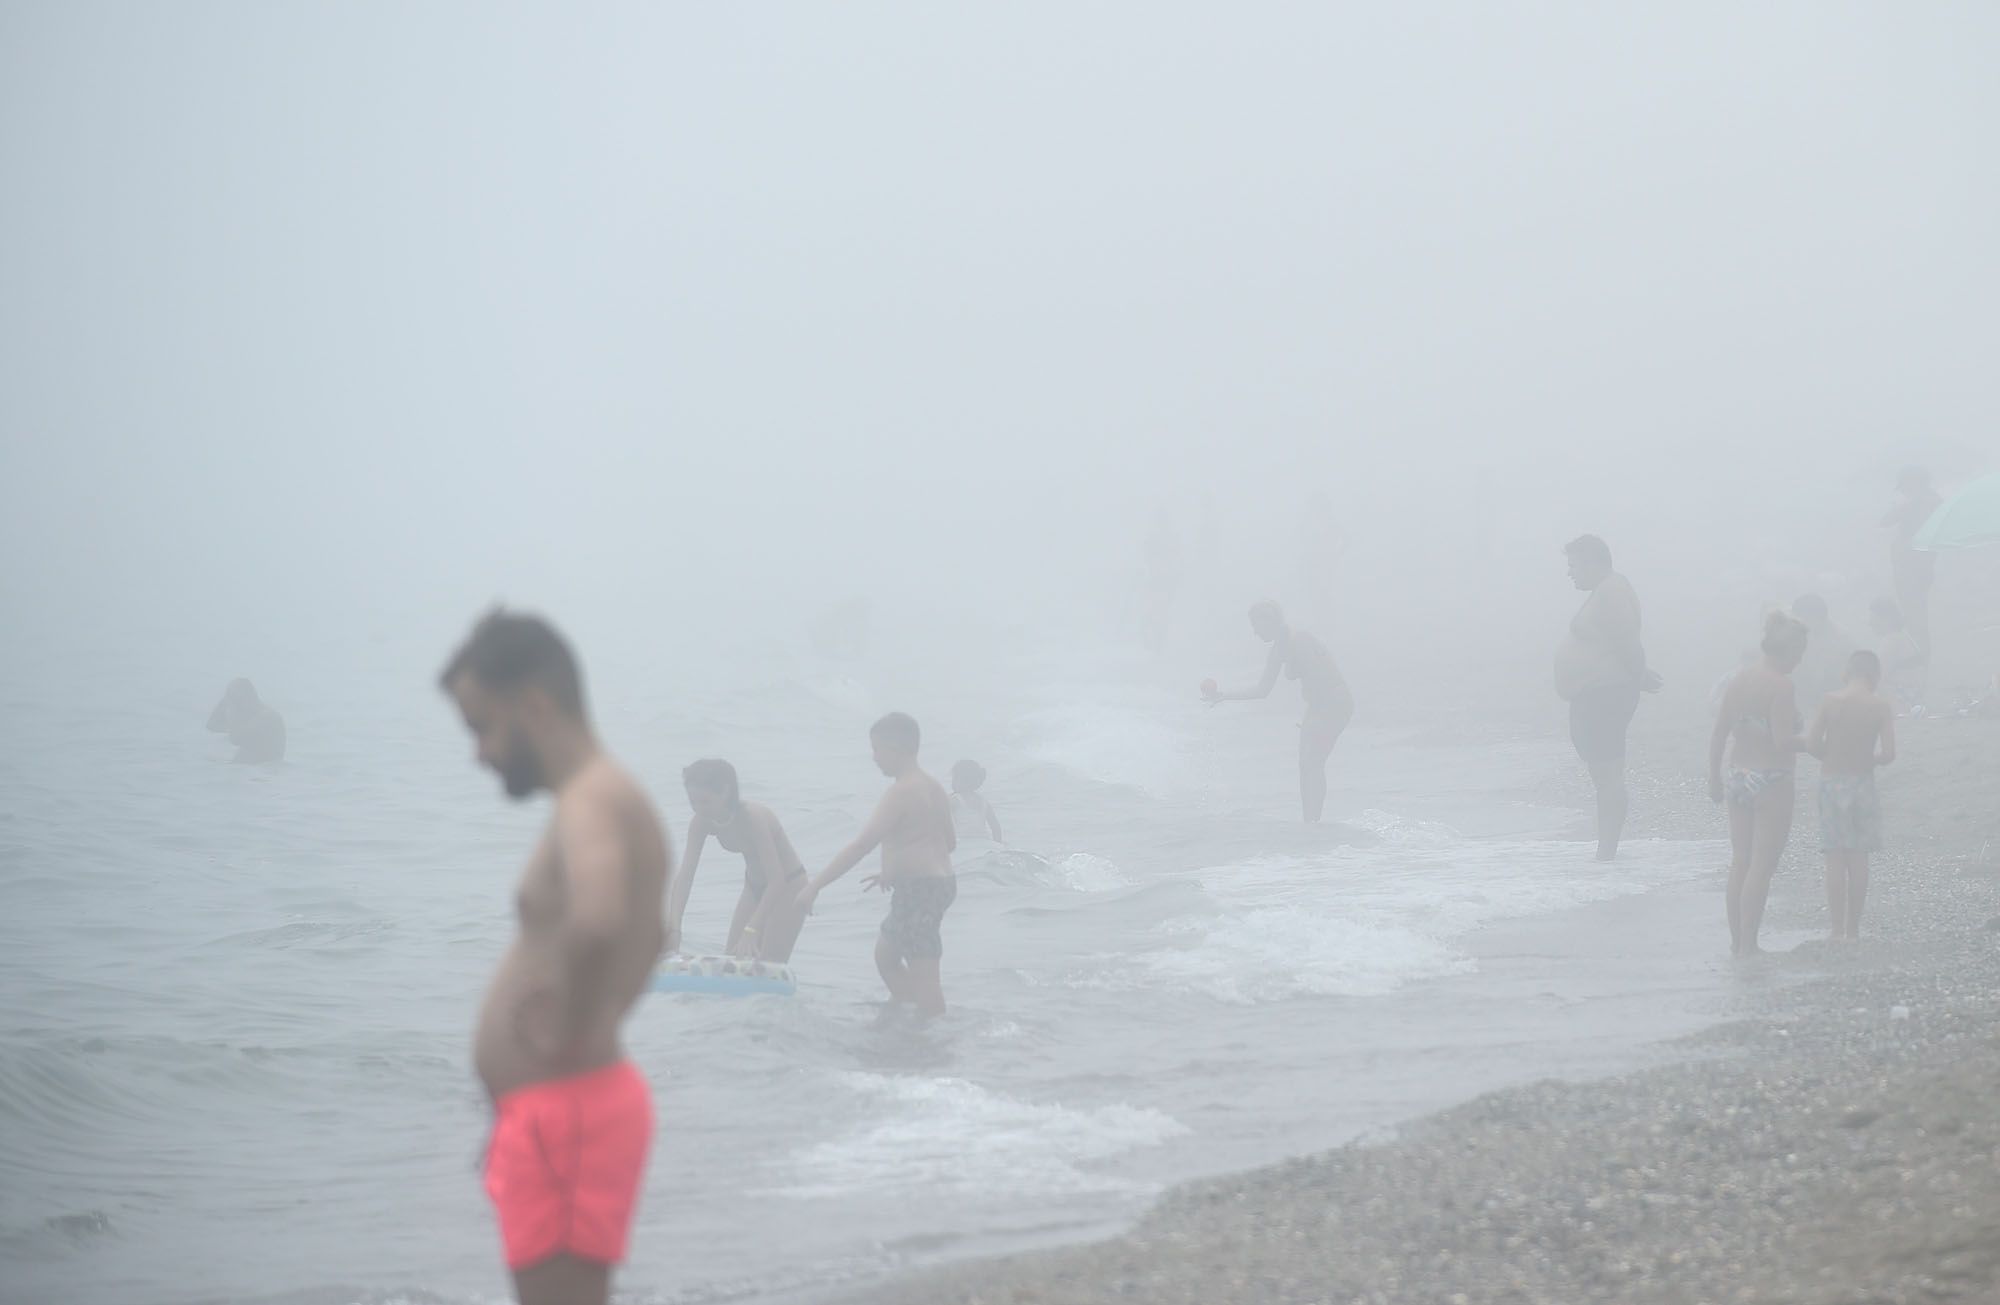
[(526, 1036), (915, 863), (1580, 668)]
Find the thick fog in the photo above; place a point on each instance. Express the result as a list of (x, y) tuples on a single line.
[(803, 362), (672, 318)]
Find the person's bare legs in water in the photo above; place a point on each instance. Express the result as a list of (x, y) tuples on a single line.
[(1317, 736)]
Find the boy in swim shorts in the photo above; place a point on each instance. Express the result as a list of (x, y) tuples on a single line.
[(1853, 732), (912, 825)]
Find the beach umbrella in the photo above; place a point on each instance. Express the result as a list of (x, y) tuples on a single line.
[(1967, 519)]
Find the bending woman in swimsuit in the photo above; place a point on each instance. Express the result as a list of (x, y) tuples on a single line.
[(1329, 706), (767, 919), (1757, 723)]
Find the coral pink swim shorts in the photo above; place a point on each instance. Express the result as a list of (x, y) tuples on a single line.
[(564, 1165)]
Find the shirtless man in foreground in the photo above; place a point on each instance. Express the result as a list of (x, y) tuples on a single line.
[(912, 824), (592, 928)]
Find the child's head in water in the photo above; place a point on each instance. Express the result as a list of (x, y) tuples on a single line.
[(1866, 667), (967, 776)]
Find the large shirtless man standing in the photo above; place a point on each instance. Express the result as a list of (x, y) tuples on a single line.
[(1600, 670), (572, 1117), (912, 825)]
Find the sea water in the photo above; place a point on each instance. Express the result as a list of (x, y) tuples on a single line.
[(234, 1059)]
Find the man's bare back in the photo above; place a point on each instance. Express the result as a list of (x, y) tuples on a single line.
[(1852, 723), (592, 928)]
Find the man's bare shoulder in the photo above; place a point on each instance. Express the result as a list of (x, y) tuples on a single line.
[(605, 790)]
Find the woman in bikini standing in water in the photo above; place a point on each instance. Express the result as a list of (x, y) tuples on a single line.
[(1758, 725), (1329, 706), (767, 919)]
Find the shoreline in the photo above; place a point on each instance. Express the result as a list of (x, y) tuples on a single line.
[(1837, 1143)]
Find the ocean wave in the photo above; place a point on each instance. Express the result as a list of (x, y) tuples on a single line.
[(1362, 921), (1129, 746), (951, 1135)]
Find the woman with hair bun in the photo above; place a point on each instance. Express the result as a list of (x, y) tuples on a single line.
[(1757, 724)]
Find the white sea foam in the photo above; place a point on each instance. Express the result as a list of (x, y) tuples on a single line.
[(950, 1135), (1082, 872), (1364, 921)]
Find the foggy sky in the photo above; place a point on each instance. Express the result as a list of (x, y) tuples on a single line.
[(352, 308)]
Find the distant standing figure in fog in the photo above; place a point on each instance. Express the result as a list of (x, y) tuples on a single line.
[(1824, 667), (767, 920), (1600, 672), (1322, 545), (1912, 570), (1757, 724), (1905, 665), (1329, 705), (257, 731), (1162, 584)]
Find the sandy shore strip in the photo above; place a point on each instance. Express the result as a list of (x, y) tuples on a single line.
[(1839, 1145)]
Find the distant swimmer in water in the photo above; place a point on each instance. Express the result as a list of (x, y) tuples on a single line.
[(572, 1117), (1600, 672), (972, 816), (1757, 724), (257, 731), (1852, 733), (912, 826), (1329, 706), (767, 919)]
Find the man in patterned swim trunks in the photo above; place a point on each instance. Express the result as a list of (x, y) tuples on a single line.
[(1853, 732), (912, 825)]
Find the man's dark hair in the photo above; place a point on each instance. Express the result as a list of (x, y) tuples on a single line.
[(1589, 547), (1867, 665), (718, 775), (898, 728), (511, 650)]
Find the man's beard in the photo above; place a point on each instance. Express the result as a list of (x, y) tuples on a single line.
[(521, 773)]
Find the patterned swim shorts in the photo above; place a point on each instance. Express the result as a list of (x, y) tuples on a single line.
[(916, 910), (1850, 815)]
